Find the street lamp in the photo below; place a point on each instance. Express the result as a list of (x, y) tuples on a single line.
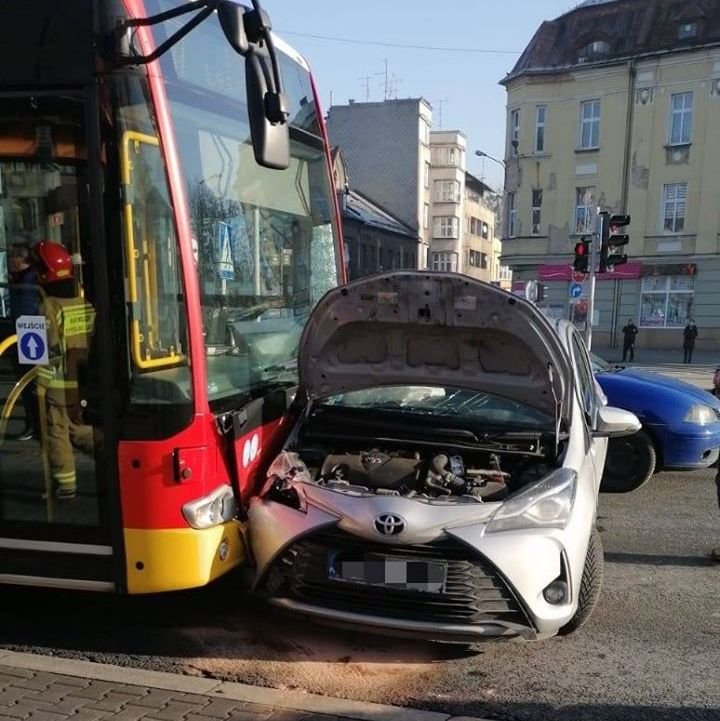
[(482, 154)]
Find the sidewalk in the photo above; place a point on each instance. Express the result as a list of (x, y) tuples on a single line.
[(48, 688), (650, 357)]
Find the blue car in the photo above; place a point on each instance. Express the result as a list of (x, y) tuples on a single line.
[(681, 426)]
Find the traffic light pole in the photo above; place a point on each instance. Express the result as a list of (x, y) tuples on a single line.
[(592, 268)]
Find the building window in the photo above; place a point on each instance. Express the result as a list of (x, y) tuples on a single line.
[(445, 227), (447, 191), (425, 131), (536, 212), (511, 215), (426, 175), (444, 261), (681, 117), (479, 228), (478, 259), (590, 124), (445, 155), (504, 273), (426, 216), (540, 116), (514, 131), (674, 207), (594, 50), (687, 31), (666, 301), (584, 210)]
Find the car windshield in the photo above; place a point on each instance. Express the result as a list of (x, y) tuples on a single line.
[(600, 365), (446, 402)]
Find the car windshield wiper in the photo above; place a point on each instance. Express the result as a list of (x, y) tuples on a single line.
[(330, 423)]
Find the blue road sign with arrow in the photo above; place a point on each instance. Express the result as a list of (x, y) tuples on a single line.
[(576, 290), (32, 339)]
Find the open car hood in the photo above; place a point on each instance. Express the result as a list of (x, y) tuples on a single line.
[(432, 329)]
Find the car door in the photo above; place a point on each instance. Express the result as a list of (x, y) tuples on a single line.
[(590, 401)]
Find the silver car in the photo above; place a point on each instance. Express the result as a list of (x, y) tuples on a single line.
[(442, 476)]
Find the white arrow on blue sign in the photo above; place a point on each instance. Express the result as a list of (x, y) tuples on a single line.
[(576, 290), (32, 339), (225, 265)]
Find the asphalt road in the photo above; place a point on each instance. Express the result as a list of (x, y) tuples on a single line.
[(650, 651)]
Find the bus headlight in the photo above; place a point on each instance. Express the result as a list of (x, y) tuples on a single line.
[(217, 507)]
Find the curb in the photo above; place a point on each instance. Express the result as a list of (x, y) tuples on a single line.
[(288, 700)]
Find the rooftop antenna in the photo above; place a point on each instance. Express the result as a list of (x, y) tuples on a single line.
[(387, 79), (440, 104), (366, 84)]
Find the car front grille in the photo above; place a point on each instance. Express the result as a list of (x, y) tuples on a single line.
[(474, 591)]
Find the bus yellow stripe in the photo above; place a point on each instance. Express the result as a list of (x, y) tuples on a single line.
[(173, 559)]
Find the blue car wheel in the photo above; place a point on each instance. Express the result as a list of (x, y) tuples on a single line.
[(630, 463)]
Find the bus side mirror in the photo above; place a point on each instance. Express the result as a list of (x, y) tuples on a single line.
[(270, 140), (231, 17), (249, 34)]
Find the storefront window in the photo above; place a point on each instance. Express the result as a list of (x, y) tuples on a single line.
[(666, 301)]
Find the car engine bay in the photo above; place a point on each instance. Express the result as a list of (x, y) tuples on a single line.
[(430, 474)]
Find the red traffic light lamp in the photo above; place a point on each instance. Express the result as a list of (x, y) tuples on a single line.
[(582, 256)]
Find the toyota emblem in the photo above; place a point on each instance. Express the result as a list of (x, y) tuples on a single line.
[(388, 524)]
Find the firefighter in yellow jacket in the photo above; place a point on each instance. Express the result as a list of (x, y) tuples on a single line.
[(70, 325)]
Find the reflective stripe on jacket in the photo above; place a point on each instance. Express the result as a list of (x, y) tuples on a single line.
[(71, 322)]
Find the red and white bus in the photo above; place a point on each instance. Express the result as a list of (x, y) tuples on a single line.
[(177, 152)]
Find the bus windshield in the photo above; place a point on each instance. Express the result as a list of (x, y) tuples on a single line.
[(265, 240)]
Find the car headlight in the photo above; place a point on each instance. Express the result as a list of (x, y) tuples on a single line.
[(217, 507), (546, 504), (701, 414)]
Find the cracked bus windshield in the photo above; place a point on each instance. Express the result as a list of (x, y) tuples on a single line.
[(264, 239)]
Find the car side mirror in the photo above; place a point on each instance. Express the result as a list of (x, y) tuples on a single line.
[(615, 422)]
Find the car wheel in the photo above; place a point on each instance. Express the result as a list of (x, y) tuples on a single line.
[(630, 463), (590, 584)]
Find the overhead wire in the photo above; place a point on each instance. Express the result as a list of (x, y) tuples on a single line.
[(432, 48)]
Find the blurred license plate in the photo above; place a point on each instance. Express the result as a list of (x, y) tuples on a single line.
[(388, 572)]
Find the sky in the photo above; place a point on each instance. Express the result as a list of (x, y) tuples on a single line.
[(462, 86)]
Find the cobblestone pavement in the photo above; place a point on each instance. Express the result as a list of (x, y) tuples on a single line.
[(96, 692)]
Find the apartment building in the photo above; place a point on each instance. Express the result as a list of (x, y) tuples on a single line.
[(386, 147), (460, 214), (616, 105)]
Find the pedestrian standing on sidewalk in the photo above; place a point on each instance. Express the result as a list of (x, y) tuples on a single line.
[(689, 335), (629, 333)]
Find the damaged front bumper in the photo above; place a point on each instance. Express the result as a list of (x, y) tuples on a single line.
[(493, 586)]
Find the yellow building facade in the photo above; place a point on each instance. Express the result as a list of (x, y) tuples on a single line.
[(616, 106)]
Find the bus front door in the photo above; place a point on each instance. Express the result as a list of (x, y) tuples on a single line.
[(54, 525)]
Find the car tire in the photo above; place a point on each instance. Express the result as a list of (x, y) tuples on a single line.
[(630, 463), (590, 584)]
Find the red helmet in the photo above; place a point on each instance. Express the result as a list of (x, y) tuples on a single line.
[(54, 262)]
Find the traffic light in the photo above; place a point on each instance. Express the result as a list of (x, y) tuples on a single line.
[(582, 256), (612, 241)]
